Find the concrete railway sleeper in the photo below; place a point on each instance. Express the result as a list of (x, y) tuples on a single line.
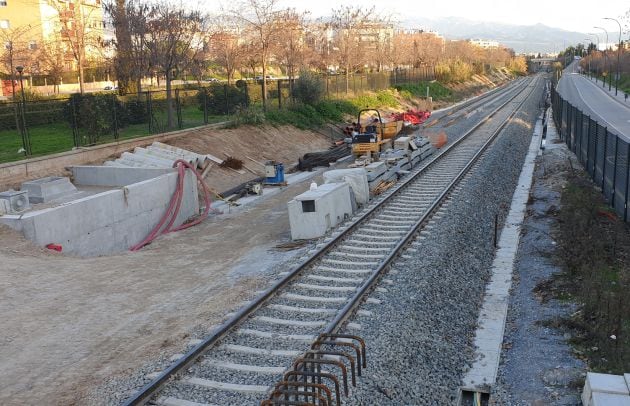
[(323, 292)]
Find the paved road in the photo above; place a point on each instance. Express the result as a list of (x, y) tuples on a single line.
[(596, 101)]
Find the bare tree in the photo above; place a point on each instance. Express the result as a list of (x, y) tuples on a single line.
[(263, 18), (174, 39), (52, 58), (15, 51), (81, 30), (225, 45), (349, 22), (291, 47)]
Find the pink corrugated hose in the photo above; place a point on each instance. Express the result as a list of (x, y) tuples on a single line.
[(173, 208)]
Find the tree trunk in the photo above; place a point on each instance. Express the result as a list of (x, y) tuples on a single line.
[(169, 102), (264, 85)]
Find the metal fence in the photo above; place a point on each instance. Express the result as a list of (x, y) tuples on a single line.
[(31, 128), (604, 155)]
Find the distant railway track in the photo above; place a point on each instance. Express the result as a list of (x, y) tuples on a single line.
[(242, 359)]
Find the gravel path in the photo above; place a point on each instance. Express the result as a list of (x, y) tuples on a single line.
[(537, 366), (419, 338)]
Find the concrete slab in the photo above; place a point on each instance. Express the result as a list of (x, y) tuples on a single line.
[(114, 176), (608, 399), (603, 383), (46, 189)]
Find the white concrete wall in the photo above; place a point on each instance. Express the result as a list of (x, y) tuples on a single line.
[(107, 222), (113, 176)]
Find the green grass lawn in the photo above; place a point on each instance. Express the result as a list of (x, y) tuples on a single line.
[(57, 137)]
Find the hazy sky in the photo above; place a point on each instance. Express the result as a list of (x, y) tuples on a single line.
[(578, 15)]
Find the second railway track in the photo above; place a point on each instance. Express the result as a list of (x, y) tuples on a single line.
[(247, 355)]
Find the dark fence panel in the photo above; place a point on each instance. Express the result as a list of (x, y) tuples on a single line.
[(605, 156), (38, 127)]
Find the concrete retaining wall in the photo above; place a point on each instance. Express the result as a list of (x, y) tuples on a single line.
[(107, 222)]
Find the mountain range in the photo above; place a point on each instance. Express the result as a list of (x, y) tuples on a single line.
[(537, 38)]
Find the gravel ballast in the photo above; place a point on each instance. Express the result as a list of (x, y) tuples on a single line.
[(420, 337)]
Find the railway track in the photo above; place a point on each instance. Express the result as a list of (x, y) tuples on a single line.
[(243, 359)]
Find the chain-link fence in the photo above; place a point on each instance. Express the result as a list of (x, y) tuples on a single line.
[(605, 155), (30, 128)]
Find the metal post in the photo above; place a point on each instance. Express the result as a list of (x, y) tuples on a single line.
[(205, 105), (625, 211), (595, 152), (279, 95), (614, 179), (114, 117), (604, 152)]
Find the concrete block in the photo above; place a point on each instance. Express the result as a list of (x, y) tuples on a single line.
[(603, 383), (375, 169), (46, 189), (114, 176), (609, 399), (355, 177), (314, 212), (14, 201)]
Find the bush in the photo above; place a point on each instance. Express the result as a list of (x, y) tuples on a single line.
[(95, 113), (223, 99), (308, 88), (137, 112), (248, 115)]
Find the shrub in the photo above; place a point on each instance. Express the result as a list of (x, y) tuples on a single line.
[(248, 115), (95, 113), (308, 88), (223, 99)]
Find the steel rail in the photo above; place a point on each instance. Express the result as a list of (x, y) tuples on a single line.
[(356, 300), (147, 391)]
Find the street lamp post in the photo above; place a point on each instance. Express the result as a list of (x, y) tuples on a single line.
[(606, 56), (26, 141), (618, 53)]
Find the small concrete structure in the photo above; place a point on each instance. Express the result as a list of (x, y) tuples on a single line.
[(606, 390), (46, 189), (14, 201), (314, 212)]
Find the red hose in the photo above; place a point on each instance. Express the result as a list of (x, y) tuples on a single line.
[(173, 208)]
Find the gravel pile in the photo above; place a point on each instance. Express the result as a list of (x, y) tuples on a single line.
[(420, 337)]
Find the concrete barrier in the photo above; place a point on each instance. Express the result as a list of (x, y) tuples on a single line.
[(108, 222)]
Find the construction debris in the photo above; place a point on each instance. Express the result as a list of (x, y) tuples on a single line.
[(232, 163)]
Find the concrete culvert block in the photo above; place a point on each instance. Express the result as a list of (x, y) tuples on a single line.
[(46, 189)]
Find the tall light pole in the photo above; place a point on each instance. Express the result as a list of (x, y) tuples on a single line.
[(618, 53), (606, 56)]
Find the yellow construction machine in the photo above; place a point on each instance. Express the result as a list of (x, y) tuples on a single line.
[(372, 135)]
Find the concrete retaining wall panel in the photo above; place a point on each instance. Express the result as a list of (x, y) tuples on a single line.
[(108, 222)]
